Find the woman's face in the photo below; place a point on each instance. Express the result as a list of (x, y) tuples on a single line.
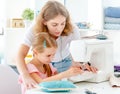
[(56, 25), (47, 56)]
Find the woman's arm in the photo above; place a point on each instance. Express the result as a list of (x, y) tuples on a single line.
[(21, 66), (20, 59)]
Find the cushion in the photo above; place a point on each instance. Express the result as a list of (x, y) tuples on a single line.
[(53, 86)]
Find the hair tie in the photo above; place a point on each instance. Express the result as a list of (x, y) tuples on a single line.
[(44, 44)]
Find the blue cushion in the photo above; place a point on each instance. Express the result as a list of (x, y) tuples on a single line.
[(53, 86), (112, 12)]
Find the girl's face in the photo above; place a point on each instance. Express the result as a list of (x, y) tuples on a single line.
[(56, 25), (47, 56)]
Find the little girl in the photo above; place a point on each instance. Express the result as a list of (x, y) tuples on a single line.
[(40, 69)]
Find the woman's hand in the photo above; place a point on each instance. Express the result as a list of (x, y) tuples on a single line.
[(90, 68), (85, 67), (28, 81)]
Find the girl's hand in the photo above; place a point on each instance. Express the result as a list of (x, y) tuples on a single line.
[(28, 82), (75, 70)]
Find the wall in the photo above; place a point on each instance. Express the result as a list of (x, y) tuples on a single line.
[(2, 13), (16, 8), (78, 10), (107, 3), (13, 38), (40, 3), (95, 14)]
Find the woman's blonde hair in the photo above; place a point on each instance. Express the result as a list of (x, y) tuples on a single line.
[(50, 11), (41, 41)]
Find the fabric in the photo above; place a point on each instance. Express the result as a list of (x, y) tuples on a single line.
[(82, 25), (112, 20), (112, 12), (112, 26), (62, 65), (56, 85), (31, 69), (62, 41)]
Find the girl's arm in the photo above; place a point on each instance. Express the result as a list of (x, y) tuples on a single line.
[(70, 72), (21, 66)]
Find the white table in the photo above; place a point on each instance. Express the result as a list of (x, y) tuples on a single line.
[(98, 88)]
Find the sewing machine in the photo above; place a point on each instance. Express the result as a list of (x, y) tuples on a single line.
[(99, 53)]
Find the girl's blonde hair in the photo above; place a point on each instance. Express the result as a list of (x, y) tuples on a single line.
[(50, 11), (41, 41)]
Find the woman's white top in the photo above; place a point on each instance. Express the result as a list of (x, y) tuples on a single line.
[(63, 43)]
